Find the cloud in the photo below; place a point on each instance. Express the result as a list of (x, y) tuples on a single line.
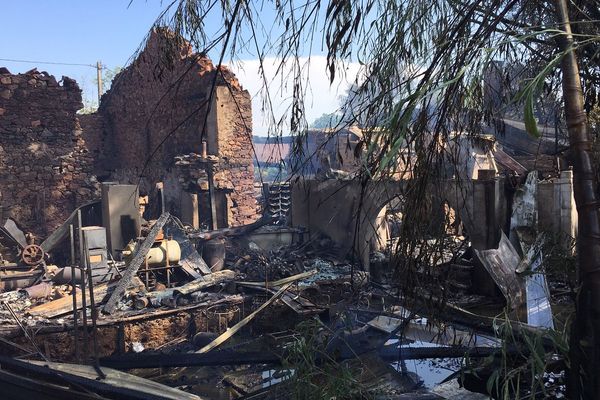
[(321, 96)]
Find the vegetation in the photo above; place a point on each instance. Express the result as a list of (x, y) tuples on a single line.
[(316, 375), (326, 121), (108, 75)]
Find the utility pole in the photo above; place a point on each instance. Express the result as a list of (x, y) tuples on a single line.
[(99, 73)]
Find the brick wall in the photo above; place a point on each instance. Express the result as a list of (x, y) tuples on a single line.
[(45, 167)]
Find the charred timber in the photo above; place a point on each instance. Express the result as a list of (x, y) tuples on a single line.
[(237, 231), (170, 296), (226, 357)]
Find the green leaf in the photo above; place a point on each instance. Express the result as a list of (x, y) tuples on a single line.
[(531, 90), (528, 113)]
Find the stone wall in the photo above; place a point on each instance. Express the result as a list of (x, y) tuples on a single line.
[(154, 98), (45, 166), (235, 170), (158, 108)]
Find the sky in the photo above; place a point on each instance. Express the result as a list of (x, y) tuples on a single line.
[(110, 31)]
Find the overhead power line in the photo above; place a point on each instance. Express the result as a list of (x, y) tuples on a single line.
[(49, 62), (98, 67)]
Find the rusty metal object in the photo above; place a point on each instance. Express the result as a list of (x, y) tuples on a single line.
[(140, 303), (39, 291), (213, 253), (32, 255), (15, 279)]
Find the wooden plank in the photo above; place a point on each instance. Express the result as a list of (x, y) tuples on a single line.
[(206, 281), (148, 314), (12, 331), (276, 355), (64, 305), (279, 282), (134, 265), (233, 330), (301, 305), (155, 298), (236, 231)]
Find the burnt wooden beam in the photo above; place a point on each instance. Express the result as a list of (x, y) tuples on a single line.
[(237, 231), (135, 264), (229, 357)]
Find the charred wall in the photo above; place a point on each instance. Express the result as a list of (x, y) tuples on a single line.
[(158, 108), (45, 166), (158, 95), (161, 107)]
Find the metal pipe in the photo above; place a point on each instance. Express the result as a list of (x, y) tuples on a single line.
[(82, 283), (74, 294), (39, 291), (16, 318), (93, 308), (211, 195)]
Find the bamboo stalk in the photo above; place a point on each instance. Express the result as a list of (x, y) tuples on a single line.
[(588, 240)]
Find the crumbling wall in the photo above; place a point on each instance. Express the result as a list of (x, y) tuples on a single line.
[(235, 170), (343, 211), (45, 166), (325, 150), (151, 99), (158, 108)]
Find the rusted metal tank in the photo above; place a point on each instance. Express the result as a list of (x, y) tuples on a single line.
[(39, 291), (157, 255), (213, 253)]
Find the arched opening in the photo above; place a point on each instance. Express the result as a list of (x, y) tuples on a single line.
[(452, 224), (387, 227)]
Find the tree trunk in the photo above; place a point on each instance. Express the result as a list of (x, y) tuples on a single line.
[(584, 354)]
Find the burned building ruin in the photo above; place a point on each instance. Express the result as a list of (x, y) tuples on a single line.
[(54, 159), (142, 237)]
